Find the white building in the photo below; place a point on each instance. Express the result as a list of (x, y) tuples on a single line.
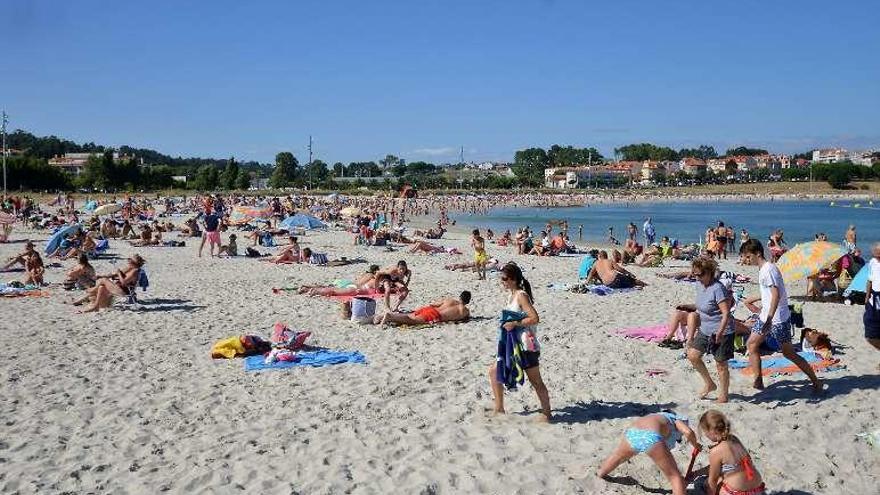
[(829, 155)]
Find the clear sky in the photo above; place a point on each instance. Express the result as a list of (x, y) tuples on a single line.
[(419, 78)]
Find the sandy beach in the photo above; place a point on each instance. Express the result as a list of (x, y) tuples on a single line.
[(128, 400)]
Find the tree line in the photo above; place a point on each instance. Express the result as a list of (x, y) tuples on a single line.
[(145, 169)]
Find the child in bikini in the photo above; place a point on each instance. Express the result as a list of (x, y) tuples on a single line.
[(655, 435), (730, 467)]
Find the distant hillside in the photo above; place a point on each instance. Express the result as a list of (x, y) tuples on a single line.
[(46, 147)]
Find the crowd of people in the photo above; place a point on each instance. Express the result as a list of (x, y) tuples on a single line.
[(709, 325)]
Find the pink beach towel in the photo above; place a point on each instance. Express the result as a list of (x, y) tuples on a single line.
[(653, 333)]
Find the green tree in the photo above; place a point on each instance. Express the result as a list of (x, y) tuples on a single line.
[(316, 172), (96, 174), (243, 181), (744, 151), (207, 178), (646, 151), (229, 177), (731, 167), (839, 178), (529, 165), (704, 152), (285, 170), (391, 161), (338, 169)]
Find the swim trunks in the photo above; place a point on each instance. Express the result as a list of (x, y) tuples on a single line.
[(481, 257), (213, 237), (428, 313), (622, 281), (781, 332)]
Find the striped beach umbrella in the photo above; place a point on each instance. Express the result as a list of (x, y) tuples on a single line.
[(807, 259)]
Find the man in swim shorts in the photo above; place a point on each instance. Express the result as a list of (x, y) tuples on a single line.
[(444, 310), (480, 256), (612, 274)]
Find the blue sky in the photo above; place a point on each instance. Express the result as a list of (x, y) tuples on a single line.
[(421, 78)]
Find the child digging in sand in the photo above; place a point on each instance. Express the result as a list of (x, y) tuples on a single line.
[(730, 467), (775, 318), (655, 435)]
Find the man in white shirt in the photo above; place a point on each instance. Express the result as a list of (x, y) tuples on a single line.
[(871, 318), (775, 318)]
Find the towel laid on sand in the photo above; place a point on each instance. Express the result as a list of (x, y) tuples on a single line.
[(23, 291), (599, 290), (777, 364), (312, 358), (654, 333)]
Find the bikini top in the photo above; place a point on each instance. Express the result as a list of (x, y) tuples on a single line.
[(744, 464)]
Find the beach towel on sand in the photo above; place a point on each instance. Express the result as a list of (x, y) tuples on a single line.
[(240, 345), (311, 358), (777, 364), (21, 291), (599, 290)]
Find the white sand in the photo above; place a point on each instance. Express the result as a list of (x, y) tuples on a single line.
[(129, 401)]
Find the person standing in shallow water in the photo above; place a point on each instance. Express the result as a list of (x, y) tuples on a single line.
[(520, 299)]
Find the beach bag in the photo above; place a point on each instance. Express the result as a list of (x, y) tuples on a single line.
[(362, 310)]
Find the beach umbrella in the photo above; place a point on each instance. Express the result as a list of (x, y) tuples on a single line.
[(350, 211), (859, 282), (6, 218), (805, 260), (107, 209), (307, 222), (59, 235)]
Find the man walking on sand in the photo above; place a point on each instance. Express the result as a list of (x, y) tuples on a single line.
[(775, 318)]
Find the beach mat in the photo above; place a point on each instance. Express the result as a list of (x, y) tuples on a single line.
[(312, 359), (654, 333), (776, 364), (26, 291)]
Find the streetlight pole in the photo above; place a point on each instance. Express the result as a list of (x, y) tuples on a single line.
[(5, 121)]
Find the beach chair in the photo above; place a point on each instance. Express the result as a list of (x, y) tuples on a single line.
[(143, 282)]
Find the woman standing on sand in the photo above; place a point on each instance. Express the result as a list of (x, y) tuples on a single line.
[(520, 300)]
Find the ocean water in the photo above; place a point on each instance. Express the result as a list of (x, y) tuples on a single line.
[(688, 220)]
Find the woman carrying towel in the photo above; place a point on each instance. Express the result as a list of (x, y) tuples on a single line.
[(520, 299)]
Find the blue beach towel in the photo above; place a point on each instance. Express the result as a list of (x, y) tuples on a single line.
[(312, 358), (509, 367), (586, 266), (775, 361)]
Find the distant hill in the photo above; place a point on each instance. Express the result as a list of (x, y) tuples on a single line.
[(45, 147)]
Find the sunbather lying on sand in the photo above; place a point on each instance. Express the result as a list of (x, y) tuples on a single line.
[(427, 247), (471, 266), (444, 310), (382, 284)]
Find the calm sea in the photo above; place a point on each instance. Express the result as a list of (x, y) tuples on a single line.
[(687, 221)]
